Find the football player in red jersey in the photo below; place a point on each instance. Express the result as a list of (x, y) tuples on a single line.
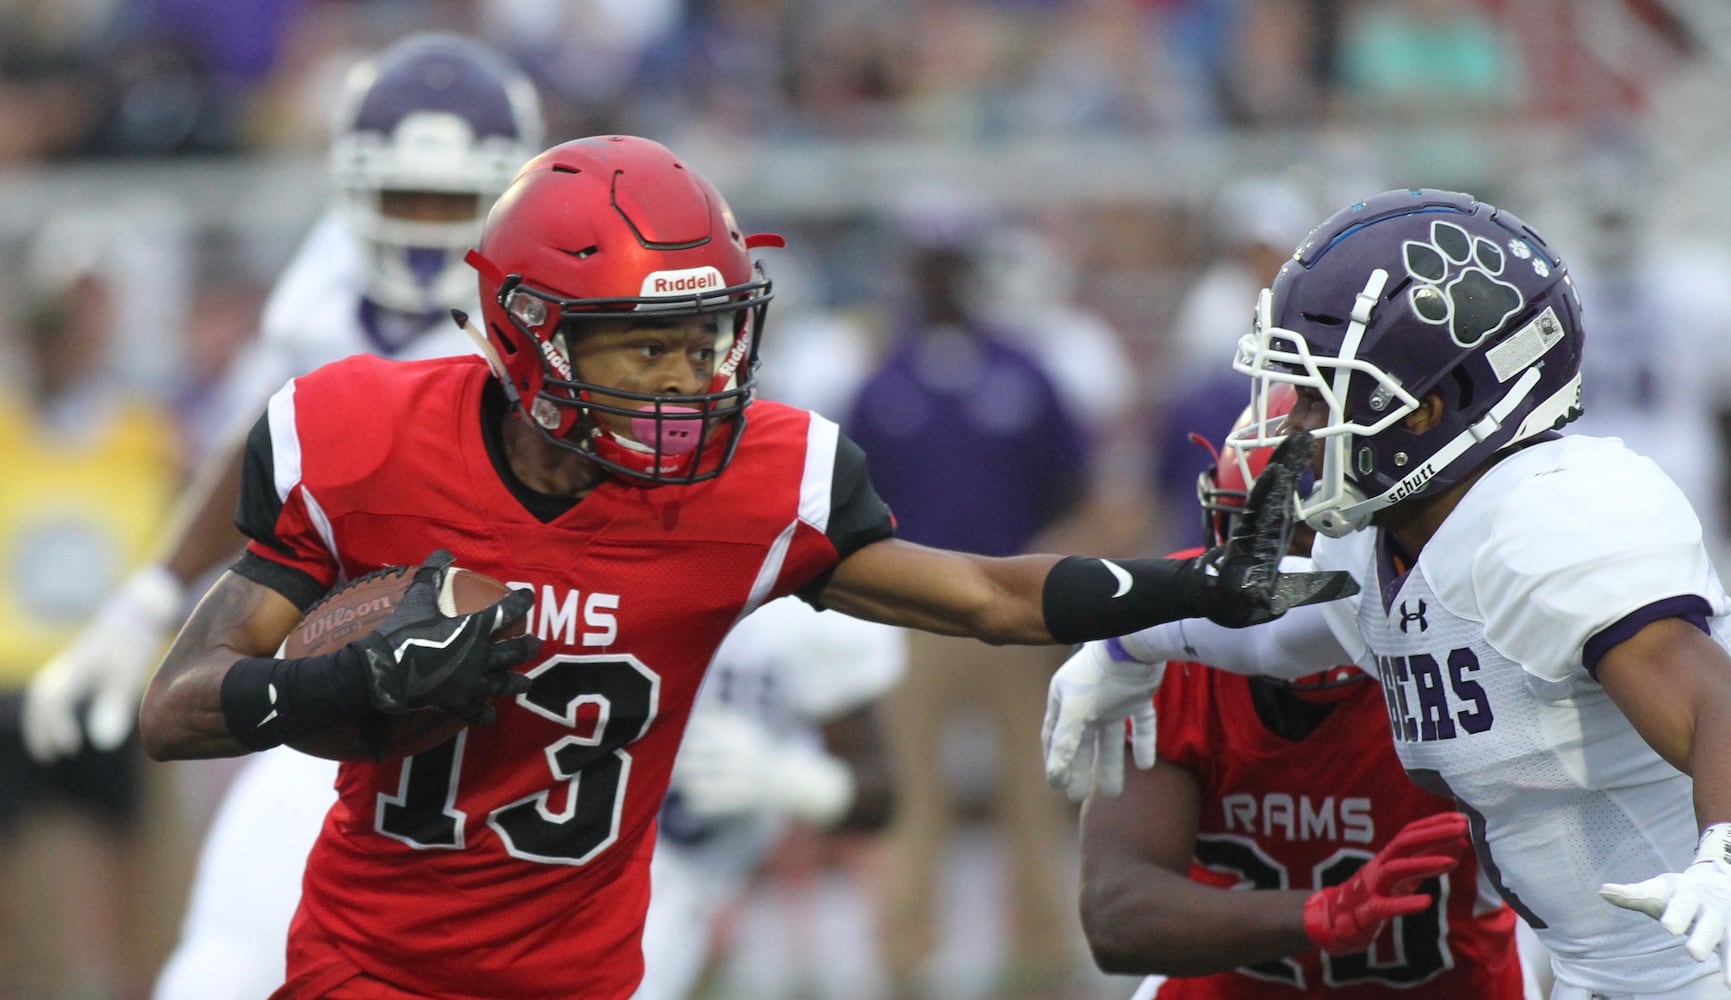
[(582, 461), (1291, 788)]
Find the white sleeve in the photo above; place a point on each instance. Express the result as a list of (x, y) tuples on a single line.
[(1297, 643), (1573, 554)]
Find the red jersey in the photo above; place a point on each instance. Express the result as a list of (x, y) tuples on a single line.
[(1279, 814), (513, 861)]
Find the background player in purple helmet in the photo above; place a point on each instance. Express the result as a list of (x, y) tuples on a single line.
[(1540, 608), (427, 132), (426, 135)]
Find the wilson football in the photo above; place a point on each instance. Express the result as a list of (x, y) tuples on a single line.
[(359, 607)]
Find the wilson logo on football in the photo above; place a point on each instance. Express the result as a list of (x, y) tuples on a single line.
[(342, 617)]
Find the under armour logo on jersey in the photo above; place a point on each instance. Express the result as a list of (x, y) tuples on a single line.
[(1407, 617)]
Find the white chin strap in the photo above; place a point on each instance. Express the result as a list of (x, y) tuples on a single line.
[(1344, 518)]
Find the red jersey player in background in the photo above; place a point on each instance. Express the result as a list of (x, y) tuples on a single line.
[(598, 459), (1287, 788)]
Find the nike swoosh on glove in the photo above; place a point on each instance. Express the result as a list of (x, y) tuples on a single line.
[(1695, 902), (1088, 702), (423, 658), (1239, 583), (1346, 918)]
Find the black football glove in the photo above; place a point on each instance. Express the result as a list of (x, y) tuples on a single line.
[(422, 658), (1240, 583)]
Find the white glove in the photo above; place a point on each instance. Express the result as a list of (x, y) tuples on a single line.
[(1695, 901), (1087, 703), (730, 765), (107, 664)]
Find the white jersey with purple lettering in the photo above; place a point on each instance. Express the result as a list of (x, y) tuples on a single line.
[(1487, 647), (318, 312)]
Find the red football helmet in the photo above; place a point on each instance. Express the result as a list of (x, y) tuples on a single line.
[(1224, 490), (616, 227)]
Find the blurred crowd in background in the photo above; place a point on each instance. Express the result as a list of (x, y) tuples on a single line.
[(1099, 186)]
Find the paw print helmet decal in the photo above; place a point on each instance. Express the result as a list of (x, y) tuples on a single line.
[(1409, 293)]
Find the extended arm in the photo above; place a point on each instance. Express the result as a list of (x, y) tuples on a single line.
[(1299, 643), (1042, 599), (1105, 685), (1674, 683)]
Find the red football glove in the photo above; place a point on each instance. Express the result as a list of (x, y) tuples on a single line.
[(1346, 918)]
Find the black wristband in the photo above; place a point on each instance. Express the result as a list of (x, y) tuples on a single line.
[(268, 702), (1088, 599)]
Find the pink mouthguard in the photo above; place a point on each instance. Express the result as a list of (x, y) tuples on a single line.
[(670, 437)]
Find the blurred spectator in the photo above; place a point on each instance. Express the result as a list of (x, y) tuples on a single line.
[(1428, 61), (90, 470), (1254, 225), (972, 446)]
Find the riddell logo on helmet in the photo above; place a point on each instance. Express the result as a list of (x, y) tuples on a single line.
[(688, 281)]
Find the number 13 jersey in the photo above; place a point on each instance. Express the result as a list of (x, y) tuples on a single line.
[(512, 862)]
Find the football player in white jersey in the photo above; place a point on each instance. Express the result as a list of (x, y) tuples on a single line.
[(428, 133), (1540, 608), (784, 730)]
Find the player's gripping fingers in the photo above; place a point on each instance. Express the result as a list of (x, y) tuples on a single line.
[(1110, 754), (1437, 833), (1380, 910), (1650, 897), (508, 653), (1401, 875), (1142, 733), (511, 608), (1706, 935), (1079, 773), (1062, 736)]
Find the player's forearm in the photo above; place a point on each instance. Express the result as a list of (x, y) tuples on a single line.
[(1029, 600), (182, 715), (1157, 922), (1296, 644), (1710, 760)]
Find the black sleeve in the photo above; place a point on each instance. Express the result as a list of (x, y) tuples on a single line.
[(259, 508), (293, 584), (257, 512), (858, 516)]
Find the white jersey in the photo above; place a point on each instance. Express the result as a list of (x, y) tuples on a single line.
[(1486, 649), (317, 314), (789, 667)]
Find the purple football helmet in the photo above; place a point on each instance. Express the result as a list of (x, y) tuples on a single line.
[(434, 114), (1404, 294)]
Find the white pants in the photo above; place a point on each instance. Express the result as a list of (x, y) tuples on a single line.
[(233, 942)]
